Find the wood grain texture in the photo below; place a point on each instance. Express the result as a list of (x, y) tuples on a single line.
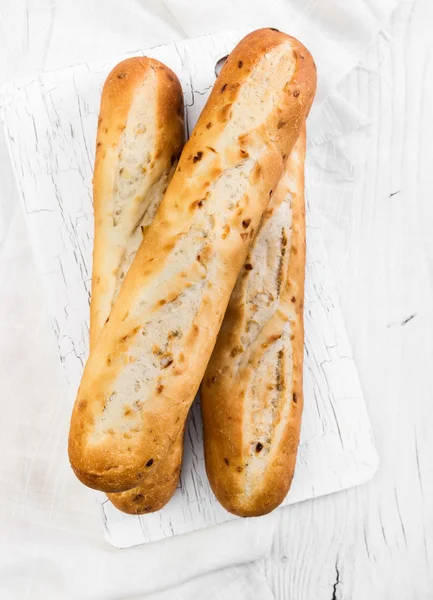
[(51, 125), (376, 541)]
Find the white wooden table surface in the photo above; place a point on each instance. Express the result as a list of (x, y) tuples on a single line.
[(374, 542)]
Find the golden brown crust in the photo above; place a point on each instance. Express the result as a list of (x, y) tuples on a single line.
[(121, 89), (245, 482), (165, 320)]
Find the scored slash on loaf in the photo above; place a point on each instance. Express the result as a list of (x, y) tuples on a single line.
[(146, 366)]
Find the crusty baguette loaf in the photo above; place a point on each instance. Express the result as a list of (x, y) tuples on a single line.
[(140, 138), (144, 372), (252, 391)]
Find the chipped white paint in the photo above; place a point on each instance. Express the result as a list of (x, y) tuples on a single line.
[(50, 123)]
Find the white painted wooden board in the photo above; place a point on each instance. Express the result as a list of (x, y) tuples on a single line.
[(50, 124)]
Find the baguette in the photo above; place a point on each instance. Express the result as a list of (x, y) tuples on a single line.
[(252, 391), (145, 370), (139, 141), (140, 138)]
